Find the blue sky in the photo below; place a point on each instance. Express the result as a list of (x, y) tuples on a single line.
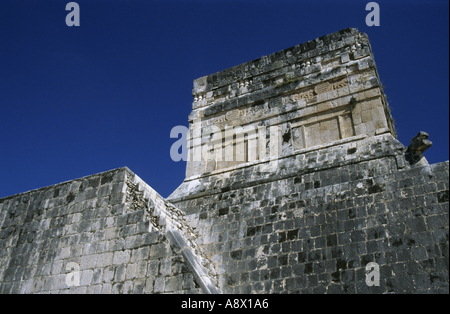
[(76, 101)]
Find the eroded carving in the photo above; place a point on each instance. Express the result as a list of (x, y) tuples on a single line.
[(341, 83), (419, 144), (323, 87), (233, 114)]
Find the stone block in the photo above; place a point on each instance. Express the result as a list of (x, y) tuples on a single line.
[(159, 251), (108, 273), (121, 257), (104, 259), (131, 271), (86, 277), (120, 273), (97, 276), (88, 261), (159, 284)]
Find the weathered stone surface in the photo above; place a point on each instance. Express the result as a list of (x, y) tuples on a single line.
[(113, 248), (315, 188), (414, 153), (310, 97), (192, 261)]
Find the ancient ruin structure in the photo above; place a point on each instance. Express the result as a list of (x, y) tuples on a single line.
[(295, 183)]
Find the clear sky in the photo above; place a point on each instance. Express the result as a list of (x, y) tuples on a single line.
[(80, 100)]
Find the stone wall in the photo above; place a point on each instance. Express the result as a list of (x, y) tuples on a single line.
[(313, 185), (310, 188), (109, 224), (311, 94), (314, 224)]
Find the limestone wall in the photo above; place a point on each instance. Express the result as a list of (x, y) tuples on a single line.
[(301, 182), (313, 225), (311, 94), (312, 188), (102, 223)]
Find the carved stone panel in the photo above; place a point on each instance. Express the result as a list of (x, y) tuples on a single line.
[(233, 114), (323, 132), (323, 87)]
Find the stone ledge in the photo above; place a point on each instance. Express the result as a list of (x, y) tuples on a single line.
[(265, 64), (369, 148), (45, 188), (297, 152)]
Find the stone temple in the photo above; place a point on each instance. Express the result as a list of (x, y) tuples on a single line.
[(295, 183)]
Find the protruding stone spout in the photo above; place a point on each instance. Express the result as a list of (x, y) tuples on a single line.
[(414, 153)]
